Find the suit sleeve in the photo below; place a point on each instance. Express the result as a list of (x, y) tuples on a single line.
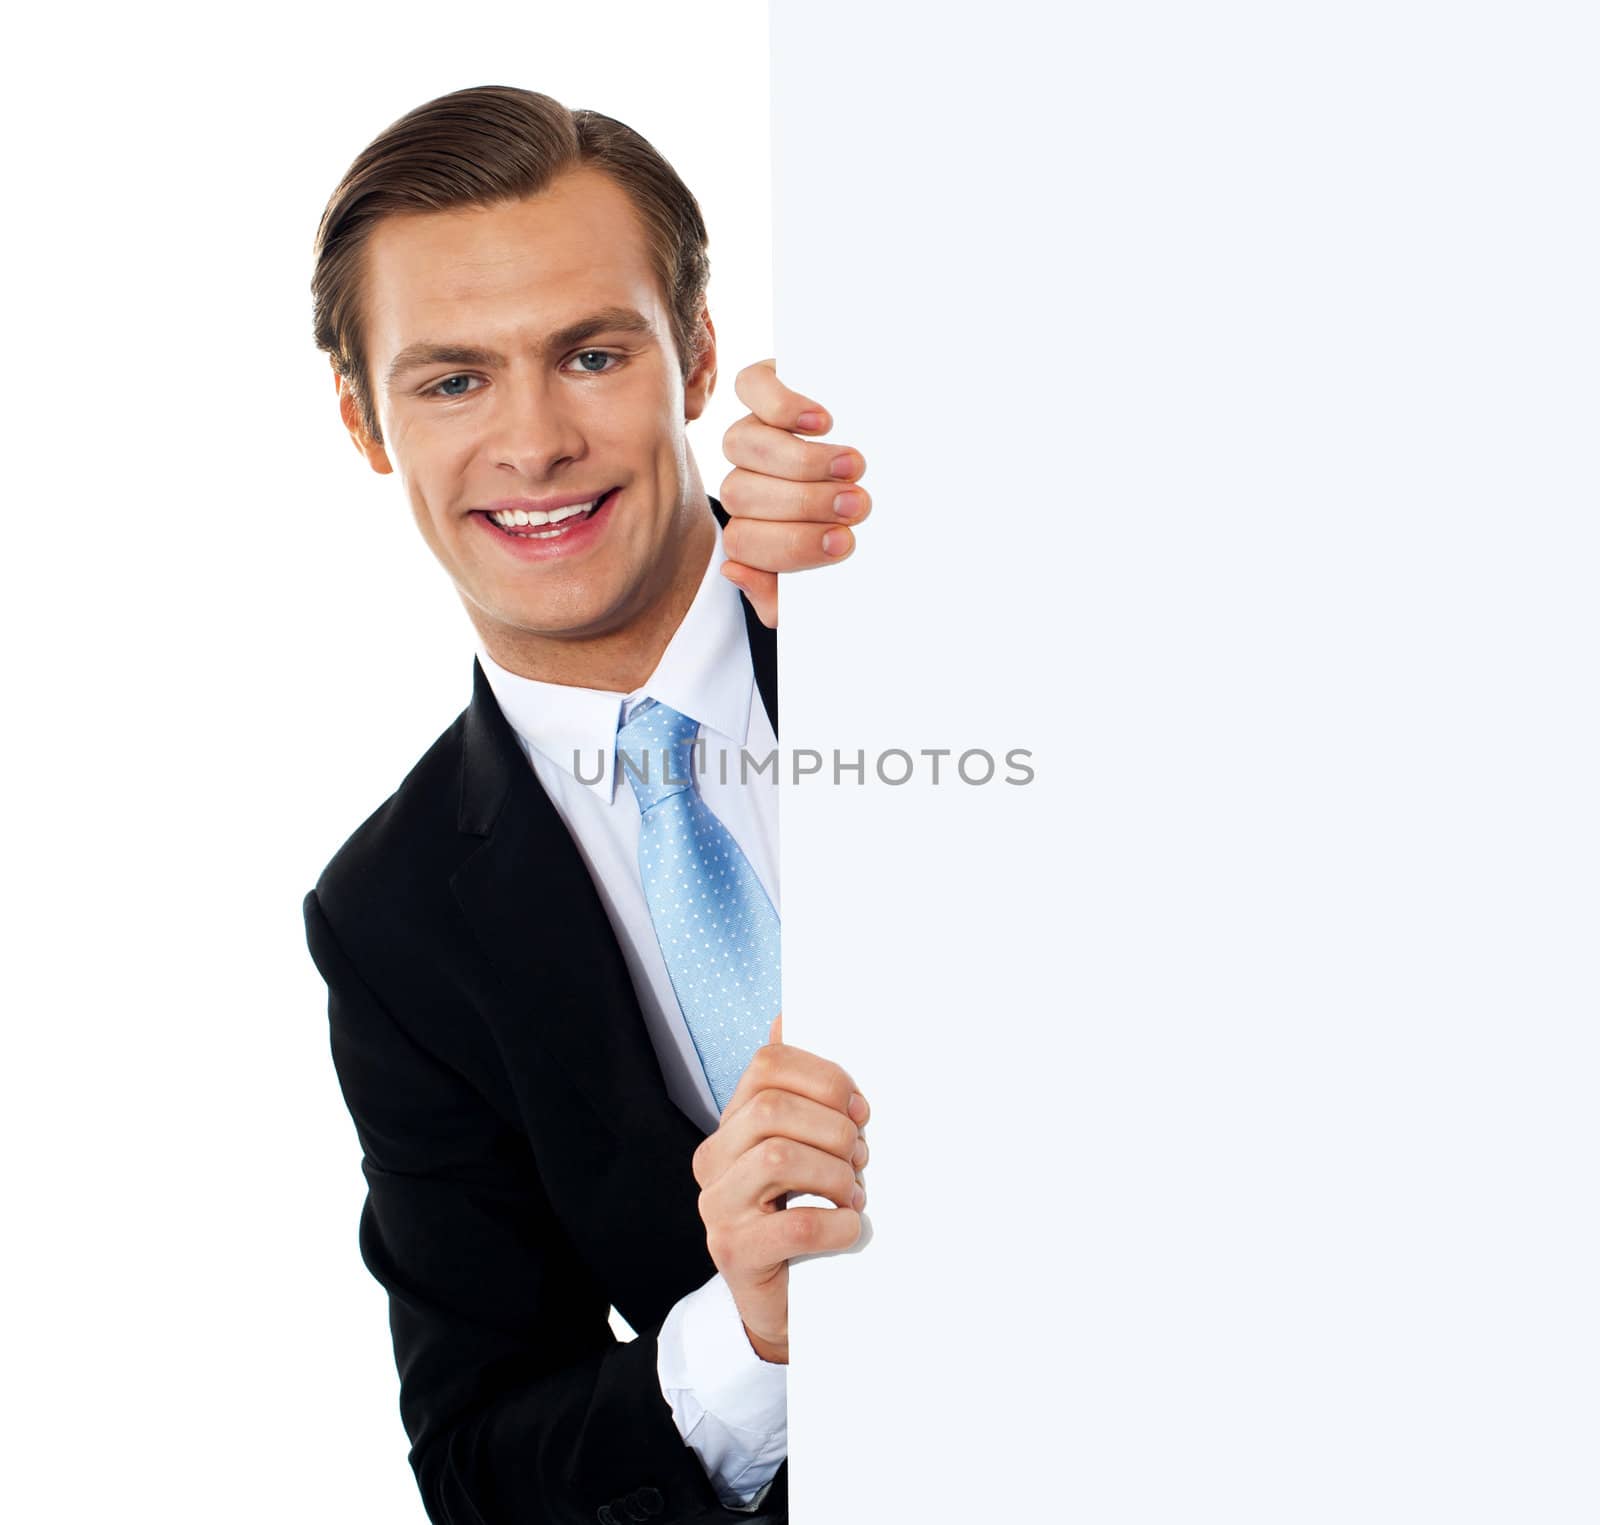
[(520, 1403)]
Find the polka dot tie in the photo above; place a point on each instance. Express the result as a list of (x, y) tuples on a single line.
[(717, 929)]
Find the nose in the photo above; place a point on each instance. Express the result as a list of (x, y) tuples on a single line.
[(533, 430)]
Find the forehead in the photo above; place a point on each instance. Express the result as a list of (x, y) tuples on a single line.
[(522, 267)]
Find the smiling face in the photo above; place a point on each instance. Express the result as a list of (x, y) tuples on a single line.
[(532, 401)]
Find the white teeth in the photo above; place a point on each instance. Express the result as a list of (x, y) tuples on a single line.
[(517, 518)]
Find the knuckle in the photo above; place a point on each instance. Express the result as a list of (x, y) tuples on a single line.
[(767, 1108), (776, 1154), (734, 534), (804, 1229), (769, 451), (734, 487), (733, 437)]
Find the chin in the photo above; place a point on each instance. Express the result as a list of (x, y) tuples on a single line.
[(557, 622)]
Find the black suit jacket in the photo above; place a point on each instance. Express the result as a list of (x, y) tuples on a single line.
[(526, 1169)]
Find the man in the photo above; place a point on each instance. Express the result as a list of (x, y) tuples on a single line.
[(548, 993)]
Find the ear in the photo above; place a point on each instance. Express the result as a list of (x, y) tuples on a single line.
[(350, 415), (701, 382)]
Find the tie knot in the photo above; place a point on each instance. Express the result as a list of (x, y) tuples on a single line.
[(655, 751)]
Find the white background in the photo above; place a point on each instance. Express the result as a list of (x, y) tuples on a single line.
[(225, 644), (1229, 391), (1229, 377)]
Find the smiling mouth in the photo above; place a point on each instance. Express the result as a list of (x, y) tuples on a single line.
[(526, 524)]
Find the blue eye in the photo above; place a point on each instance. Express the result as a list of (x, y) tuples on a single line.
[(584, 357), (447, 387)]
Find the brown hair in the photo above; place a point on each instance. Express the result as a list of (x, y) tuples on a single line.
[(478, 147)]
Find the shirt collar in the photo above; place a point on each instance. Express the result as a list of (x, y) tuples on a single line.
[(704, 672)]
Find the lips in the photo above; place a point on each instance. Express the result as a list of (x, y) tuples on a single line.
[(545, 524)]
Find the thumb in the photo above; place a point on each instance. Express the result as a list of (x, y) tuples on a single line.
[(775, 1032)]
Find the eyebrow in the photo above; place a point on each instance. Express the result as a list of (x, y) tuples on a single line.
[(608, 320)]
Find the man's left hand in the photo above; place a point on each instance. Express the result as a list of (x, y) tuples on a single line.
[(789, 500)]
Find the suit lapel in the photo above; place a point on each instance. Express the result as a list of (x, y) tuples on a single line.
[(764, 658), (535, 912), (763, 643)]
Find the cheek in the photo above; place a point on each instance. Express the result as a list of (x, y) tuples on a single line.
[(640, 410), (434, 464)]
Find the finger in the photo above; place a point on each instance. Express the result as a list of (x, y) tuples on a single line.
[(785, 546), (783, 1067), (758, 446), (778, 1114), (770, 1168), (774, 1114), (800, 1231), (775, 1032), (750, 495), (761, 588), (758, 388)]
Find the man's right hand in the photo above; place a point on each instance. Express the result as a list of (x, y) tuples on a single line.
[(793, 1124)]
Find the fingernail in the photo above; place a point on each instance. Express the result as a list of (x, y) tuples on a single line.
[(848, 504), (858, 1199), (858, 1156), (842, 465), (857, 1107), (811, 422), (836, 542)]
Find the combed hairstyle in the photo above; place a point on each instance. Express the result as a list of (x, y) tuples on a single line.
[(482, 147)]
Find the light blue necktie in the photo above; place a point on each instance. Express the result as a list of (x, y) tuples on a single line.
[(717, 929)]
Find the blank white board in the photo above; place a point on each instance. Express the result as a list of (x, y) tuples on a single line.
[(1228, 381)]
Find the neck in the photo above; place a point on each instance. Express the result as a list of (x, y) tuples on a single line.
[(618, 660)]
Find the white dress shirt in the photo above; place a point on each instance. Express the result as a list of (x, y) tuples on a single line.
[(730, 1406)]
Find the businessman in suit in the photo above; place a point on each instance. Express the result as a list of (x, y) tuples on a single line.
[(548, 992)]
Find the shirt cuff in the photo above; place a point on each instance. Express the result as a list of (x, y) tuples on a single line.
[(730, 1406)]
